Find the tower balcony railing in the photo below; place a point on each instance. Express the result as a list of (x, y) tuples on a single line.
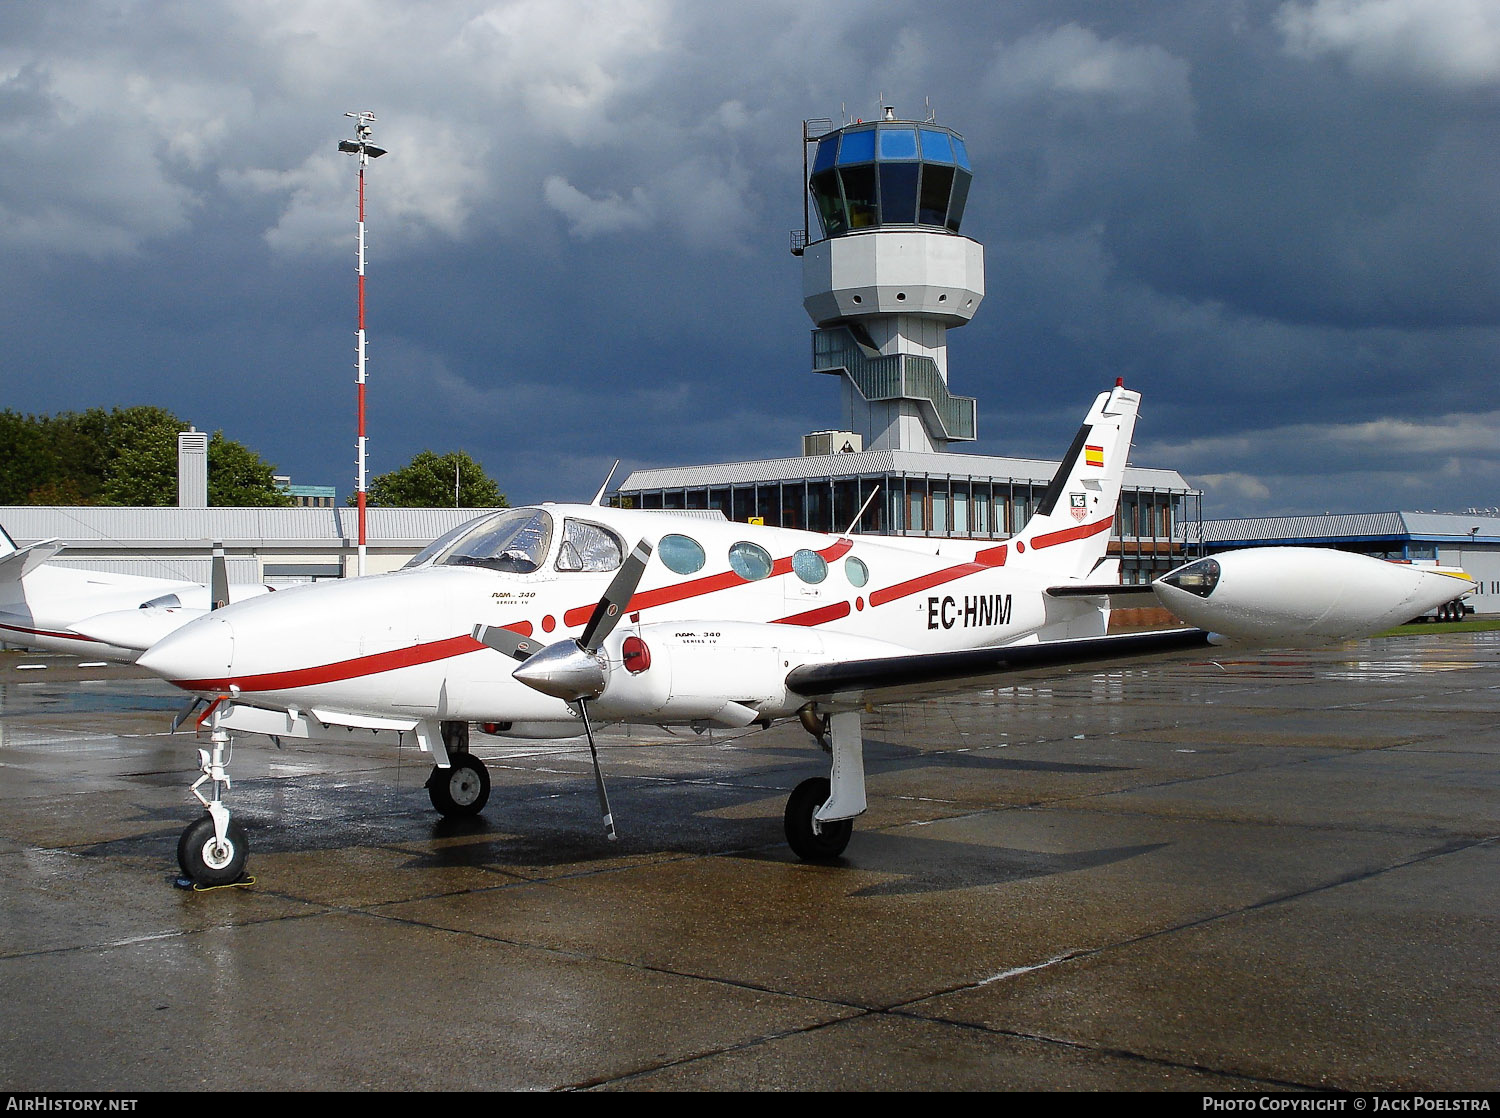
[(896, 376)]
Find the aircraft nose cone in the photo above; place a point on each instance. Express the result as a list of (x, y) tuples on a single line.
[(201, 652)]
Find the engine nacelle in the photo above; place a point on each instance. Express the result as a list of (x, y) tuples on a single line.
[(1303, 595), (731, 673)]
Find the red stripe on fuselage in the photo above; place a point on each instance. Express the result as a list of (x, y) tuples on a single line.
[(816, 616), (412, 656), (417, 655), (1067, 535), (988, 559), (344, 669), (709, 584)]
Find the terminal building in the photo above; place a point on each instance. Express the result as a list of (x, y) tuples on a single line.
[(885, 279)]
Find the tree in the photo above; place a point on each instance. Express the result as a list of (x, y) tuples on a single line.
[(28, 461), (142, 465), (127, 456), (428, 481), (239, 477)]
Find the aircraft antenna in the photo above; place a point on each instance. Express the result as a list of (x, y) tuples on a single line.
[(366, 151), (599, 496), (853, 524)]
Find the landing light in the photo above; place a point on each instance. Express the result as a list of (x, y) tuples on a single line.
[(1198, 578)]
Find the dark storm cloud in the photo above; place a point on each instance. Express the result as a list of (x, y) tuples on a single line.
[(1276, 219)]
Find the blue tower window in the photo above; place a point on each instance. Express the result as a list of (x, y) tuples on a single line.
[(898, 143), (857, 147), (828, 151), (937, 147), (896, 173)]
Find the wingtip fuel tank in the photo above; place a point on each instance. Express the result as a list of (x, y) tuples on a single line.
[(1303, 595)]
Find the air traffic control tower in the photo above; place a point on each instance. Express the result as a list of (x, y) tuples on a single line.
[(890, 276), (886, 273)]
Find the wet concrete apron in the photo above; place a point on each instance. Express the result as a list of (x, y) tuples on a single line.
[(1261, 872)]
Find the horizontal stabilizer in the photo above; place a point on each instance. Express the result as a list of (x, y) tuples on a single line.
[(16, 564), (1116, 591)]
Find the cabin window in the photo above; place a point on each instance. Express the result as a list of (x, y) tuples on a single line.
[(750, 561), (681, 554), (856, 571), (810, 566), (588, 547), (515, 541)]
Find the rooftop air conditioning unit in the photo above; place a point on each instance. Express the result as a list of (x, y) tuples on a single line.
[(831, 442)]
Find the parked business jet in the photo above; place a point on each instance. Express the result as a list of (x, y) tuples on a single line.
[(40, 603)]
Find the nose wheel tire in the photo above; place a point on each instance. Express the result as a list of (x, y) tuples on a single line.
[(462, 789), (206, 860), (809, 840)]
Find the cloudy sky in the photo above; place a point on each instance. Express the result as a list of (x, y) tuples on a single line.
[(1276, 218)]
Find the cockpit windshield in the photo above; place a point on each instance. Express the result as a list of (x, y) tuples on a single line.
[(440, 544), (515, 540)]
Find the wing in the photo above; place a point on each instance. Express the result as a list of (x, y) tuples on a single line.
[(922, 675)]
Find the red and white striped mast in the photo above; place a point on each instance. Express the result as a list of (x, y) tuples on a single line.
[(366, 151)]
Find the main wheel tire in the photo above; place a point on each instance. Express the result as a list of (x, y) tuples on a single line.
[(823, 842), (206, 860), (462, 789)]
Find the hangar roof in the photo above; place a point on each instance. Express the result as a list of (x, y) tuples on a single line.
[(1355, 527), (169, 526), (863, 463)]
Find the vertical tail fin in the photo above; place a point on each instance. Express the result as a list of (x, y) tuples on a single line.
[(1069, 532)]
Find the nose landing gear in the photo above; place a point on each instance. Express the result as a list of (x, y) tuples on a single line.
[(213, 849)]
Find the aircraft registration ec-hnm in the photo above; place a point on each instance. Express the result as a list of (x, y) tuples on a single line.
[(552, 619)]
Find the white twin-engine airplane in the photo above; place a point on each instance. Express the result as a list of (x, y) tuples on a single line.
[(546, 621)]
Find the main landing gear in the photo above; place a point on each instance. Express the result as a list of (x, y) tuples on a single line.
[(819, 817), (810, 839), (213, 849), (463, 788)]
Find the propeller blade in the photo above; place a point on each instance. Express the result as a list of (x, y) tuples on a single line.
[(219, 582), (616, 598), (505, 640), (609, 819), (185, 713)]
